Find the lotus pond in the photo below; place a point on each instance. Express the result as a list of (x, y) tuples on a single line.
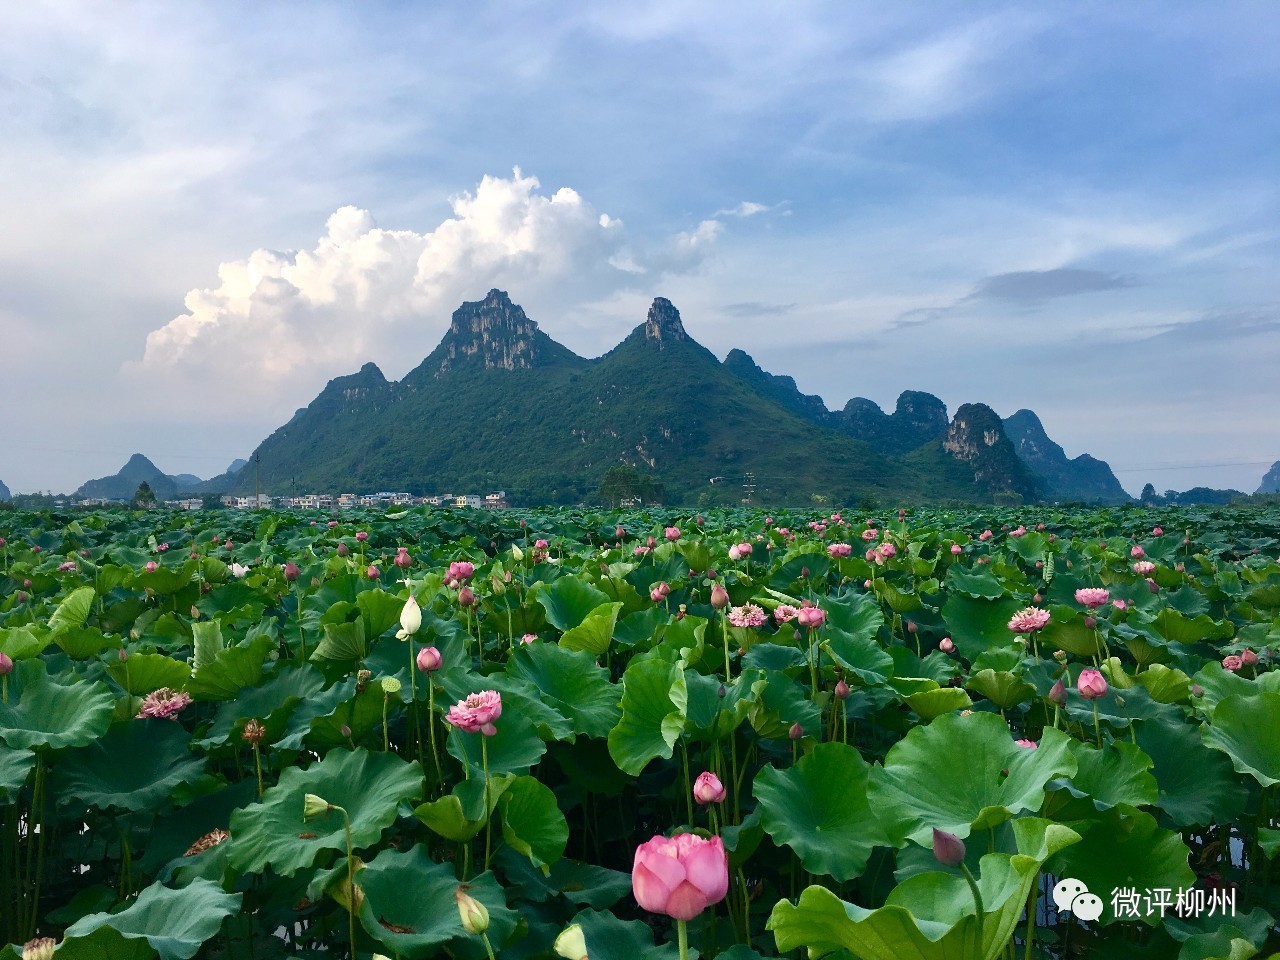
[(943, 734)]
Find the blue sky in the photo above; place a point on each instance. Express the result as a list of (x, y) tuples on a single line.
[(213, 208)]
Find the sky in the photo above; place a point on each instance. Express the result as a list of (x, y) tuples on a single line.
[(210, 209)]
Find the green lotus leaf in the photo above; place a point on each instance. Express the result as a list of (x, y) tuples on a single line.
[(608, 938), (519, 697), (101, 944), (206, 642), (145, 672), (976, 625), (83, 643), (515, 748), (931, 704), (15, 767), (176, 923), (856, 616), (1126, 852), (1219, 937), (982, 584), (568, 601), (1269, 841), (1119, 774), (271, 703), (1006, 690), (369, 786), (861, 656), (930, 916), (713, 716), (231, 670), (654, 701), (342, 641), (55, 715), (1247, 729), (1197, 785), (781, 703), (410, 905), (950, 775), (1165, 684), (461, 814), (1066, 630), (73, 610), (819, 809), (773, 656), (134, 766), (21, 643), (379, 611), (594, 632), (1176, 628), (570, 681), (532, 822)]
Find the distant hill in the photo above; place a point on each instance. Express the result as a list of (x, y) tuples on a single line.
[(4, 492), (1271, 482), (123, 484), (498, 404), (1084, 478)]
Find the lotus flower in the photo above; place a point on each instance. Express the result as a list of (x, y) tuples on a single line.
[(839, 550), (151, 566), (429, 659), (41, 948), (1029, 620), (571, 944), (956, 549), (672, 533), (1137, 552), (842, 690), (1143, 567), (947, 645), (747, 615), (1248, 657), (1093, 597), (6, 664), (1058, 694), (410, 619), (164, 703), (811, 617), (1091, 684), (474, 914), (1231, 663), (680, 876), (476, 713), (708, 788), (948, 848), (719, 597)]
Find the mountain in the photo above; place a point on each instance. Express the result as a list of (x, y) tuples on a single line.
[(1083, 478), (1271, 482), (498, 404), (124, 484), (4, 492), (236, 465)]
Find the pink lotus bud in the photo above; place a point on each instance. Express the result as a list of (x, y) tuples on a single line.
[(528, 638), (842, 690), (719, 597), (291, 571), (680, 876), (229, 545), (1152, 585), (122, 654), (956, 549), (796, 731), (672, 533), (1058, 694), (1157, 531), (403, 560), (651, 543), (22, 596), (1037, 598), (332, 524), (659, 592), (1090, 622), (734, 553), (948, 848), (1137, 552), (1248, 657), (1197, 690), (344, 550), (151, 566), (373, 573), (866, 584), (985, 535), (1091, 684), (6, 664), (711, 574), (429, 659), (811, 617), (466, 598), (362, 536), (946, 645), (911, 626), (708, 789)]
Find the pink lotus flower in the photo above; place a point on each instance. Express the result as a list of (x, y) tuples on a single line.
[(1119, 605), (429, 659), (1093, 597), (164, 703), (719, 597), (151, 566), (332, 524), (985, 535), (640, 550), (947, 645), (747, 615), (660, 591), (681, 876), (735, 553), (67, 567), (1137, 552), (1029, 744), (947, 848), (887, 550), (1058, 694), (460, 571), (837, 550), (795, 731), (1018, 531), (1029, 620), (672, 533), (291, 571), (403, 560), (6, 664), (528, 638), (1091, 684), (1157, 531), (1232, 663), (870, 534), (476, 713), (373, 573), (956, 549), (708, 789), (466, 598), (811, 616), (785, 613), (1143, 567), (362, 536)]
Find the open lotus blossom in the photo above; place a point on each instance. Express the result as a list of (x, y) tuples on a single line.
[(1143, 567), (839, 550), (785, 613), (1091, 684), (680, 876), (41, 948), (1018, 531), (1093, 597), (1029, 620), (956, 549), (985, 535), (1029, 744), (747, 615), (870, 534), (164, 703), (528, 638), (476, 713), (708, 789), (1232, 663), (672, 533), (887, 550), (1157, 531)]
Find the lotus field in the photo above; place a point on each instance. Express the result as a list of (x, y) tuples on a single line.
[(944, 734)]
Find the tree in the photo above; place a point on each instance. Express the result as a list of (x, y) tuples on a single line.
[(1148, 494), (143, 498), (623, 483)]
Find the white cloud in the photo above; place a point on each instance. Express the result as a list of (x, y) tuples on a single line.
[(279, 323)]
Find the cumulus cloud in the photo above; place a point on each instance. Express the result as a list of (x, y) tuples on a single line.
[(276, 317)]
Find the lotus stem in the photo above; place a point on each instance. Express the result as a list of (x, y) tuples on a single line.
[(431, 732), (1097, 724), (682, 935), (257, 766), (351, 881), (488, 813), (302, 640), (977, 896)]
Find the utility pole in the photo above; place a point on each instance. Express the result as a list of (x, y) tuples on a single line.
[(257, 481), (748, 487)]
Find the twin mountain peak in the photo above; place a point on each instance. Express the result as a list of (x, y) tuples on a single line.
[(498, 404)]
